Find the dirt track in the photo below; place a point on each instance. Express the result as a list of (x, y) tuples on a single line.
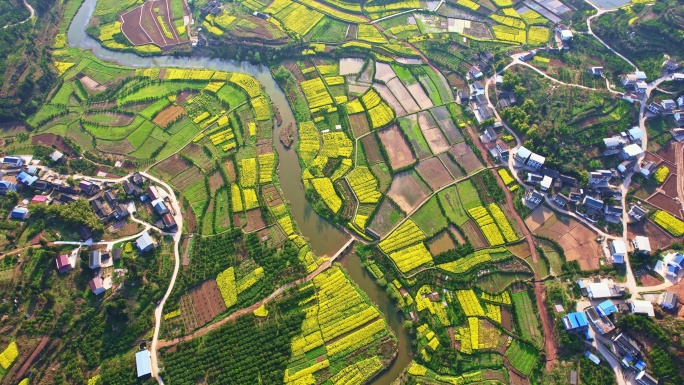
[(550, 344)]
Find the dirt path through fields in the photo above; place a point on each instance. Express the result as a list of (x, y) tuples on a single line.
[(550, 344)]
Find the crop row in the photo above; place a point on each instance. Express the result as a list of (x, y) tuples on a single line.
[(668, 222), (324, 188), (537, 35), (248, 172), (502, 222), (262, 110), (236, 198), (506, 33), (371, 99), (405, 235), (8, 355), (309, 142), (316, 93), (381, 115), (514, 22), (369, 33), (503, 298), (493, 312), (337, 144), (247, 83), (226, 284), (411, 257), (466, 263), (364, 184), (250, 279), (251, 200), (471, 306), (266, 165)]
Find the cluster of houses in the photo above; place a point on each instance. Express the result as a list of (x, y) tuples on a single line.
[(600, 319), (51, 188), (618, 249), (475, 94)]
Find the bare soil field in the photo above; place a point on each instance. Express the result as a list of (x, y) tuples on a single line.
[(667, 152), (206, 302), (372, 149), (171, 166), (465, 156), (187, 178), (578, 242), (90, 83), (254, 221), (51, 140), (132, 29), (391, 100), (199, 157), (666, 203), (457, 234), (385, 218), (384, 72), (263, 149), (119, 147), (453, 134), (434, 173), (271, 196), (670, 186), (660, 239), (506, 318), (419, 94), (453, 167), (402, 96), (216, 182), (433, 135), (408, 191), (168, 115), (183, 96), (474, 235), (230, 170), (359, 124), (397, 147)]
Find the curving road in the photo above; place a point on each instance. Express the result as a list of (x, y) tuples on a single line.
[(32, 13)]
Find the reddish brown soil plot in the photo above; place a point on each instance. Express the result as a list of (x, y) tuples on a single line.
[(51, 140), (434, 173), (271, 196), (506, 318), (667, 152), (171, 166), (207, 303), (660, 239), (397, 147), (359, 124), (666, 203), (168, 115), (371, 149), (230, 170), (465, 156), (474, 235), (216, 182), (670, 186), (578, 241), (254, 221), (132, 29), (408, 191)]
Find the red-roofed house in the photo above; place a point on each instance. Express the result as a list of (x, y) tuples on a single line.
[(39, 199), (63, 263), (97, 286)]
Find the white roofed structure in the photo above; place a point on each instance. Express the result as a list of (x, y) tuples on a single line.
[(642, 307)]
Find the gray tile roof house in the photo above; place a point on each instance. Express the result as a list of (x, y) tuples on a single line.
[(534, 197), (592, 203), (669, 300)]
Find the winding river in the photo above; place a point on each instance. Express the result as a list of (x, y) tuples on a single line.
[(325, 238)]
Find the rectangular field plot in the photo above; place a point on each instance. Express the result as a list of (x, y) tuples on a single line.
[(397, 147), (386, 217), (446, 123), (417, 92), (468, 195), (525, 316), (452, 206), (359, 124), (429, 218), (434, 173), (201, 305), (453, 167), (403, 96), (408, 190), (432, 133), (465, 156), (170, 167), (384, 72), (410, 128), (389, 97), (523, 357)]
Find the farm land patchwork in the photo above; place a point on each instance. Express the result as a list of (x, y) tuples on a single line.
[(466, 192)]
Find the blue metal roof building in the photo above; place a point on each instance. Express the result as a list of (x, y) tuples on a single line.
[(19, 213), (606, 308), (575, 322), (26, 179), (592, 357), (143, 363)]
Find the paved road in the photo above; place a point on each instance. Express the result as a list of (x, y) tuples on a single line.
[(600, 12), (31, 16)]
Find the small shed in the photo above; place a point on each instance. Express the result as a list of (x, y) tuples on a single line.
[(669, 301), (97, 286), (145, 242), (143, 363), (19, 213), (642, 307), (39, 199)]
